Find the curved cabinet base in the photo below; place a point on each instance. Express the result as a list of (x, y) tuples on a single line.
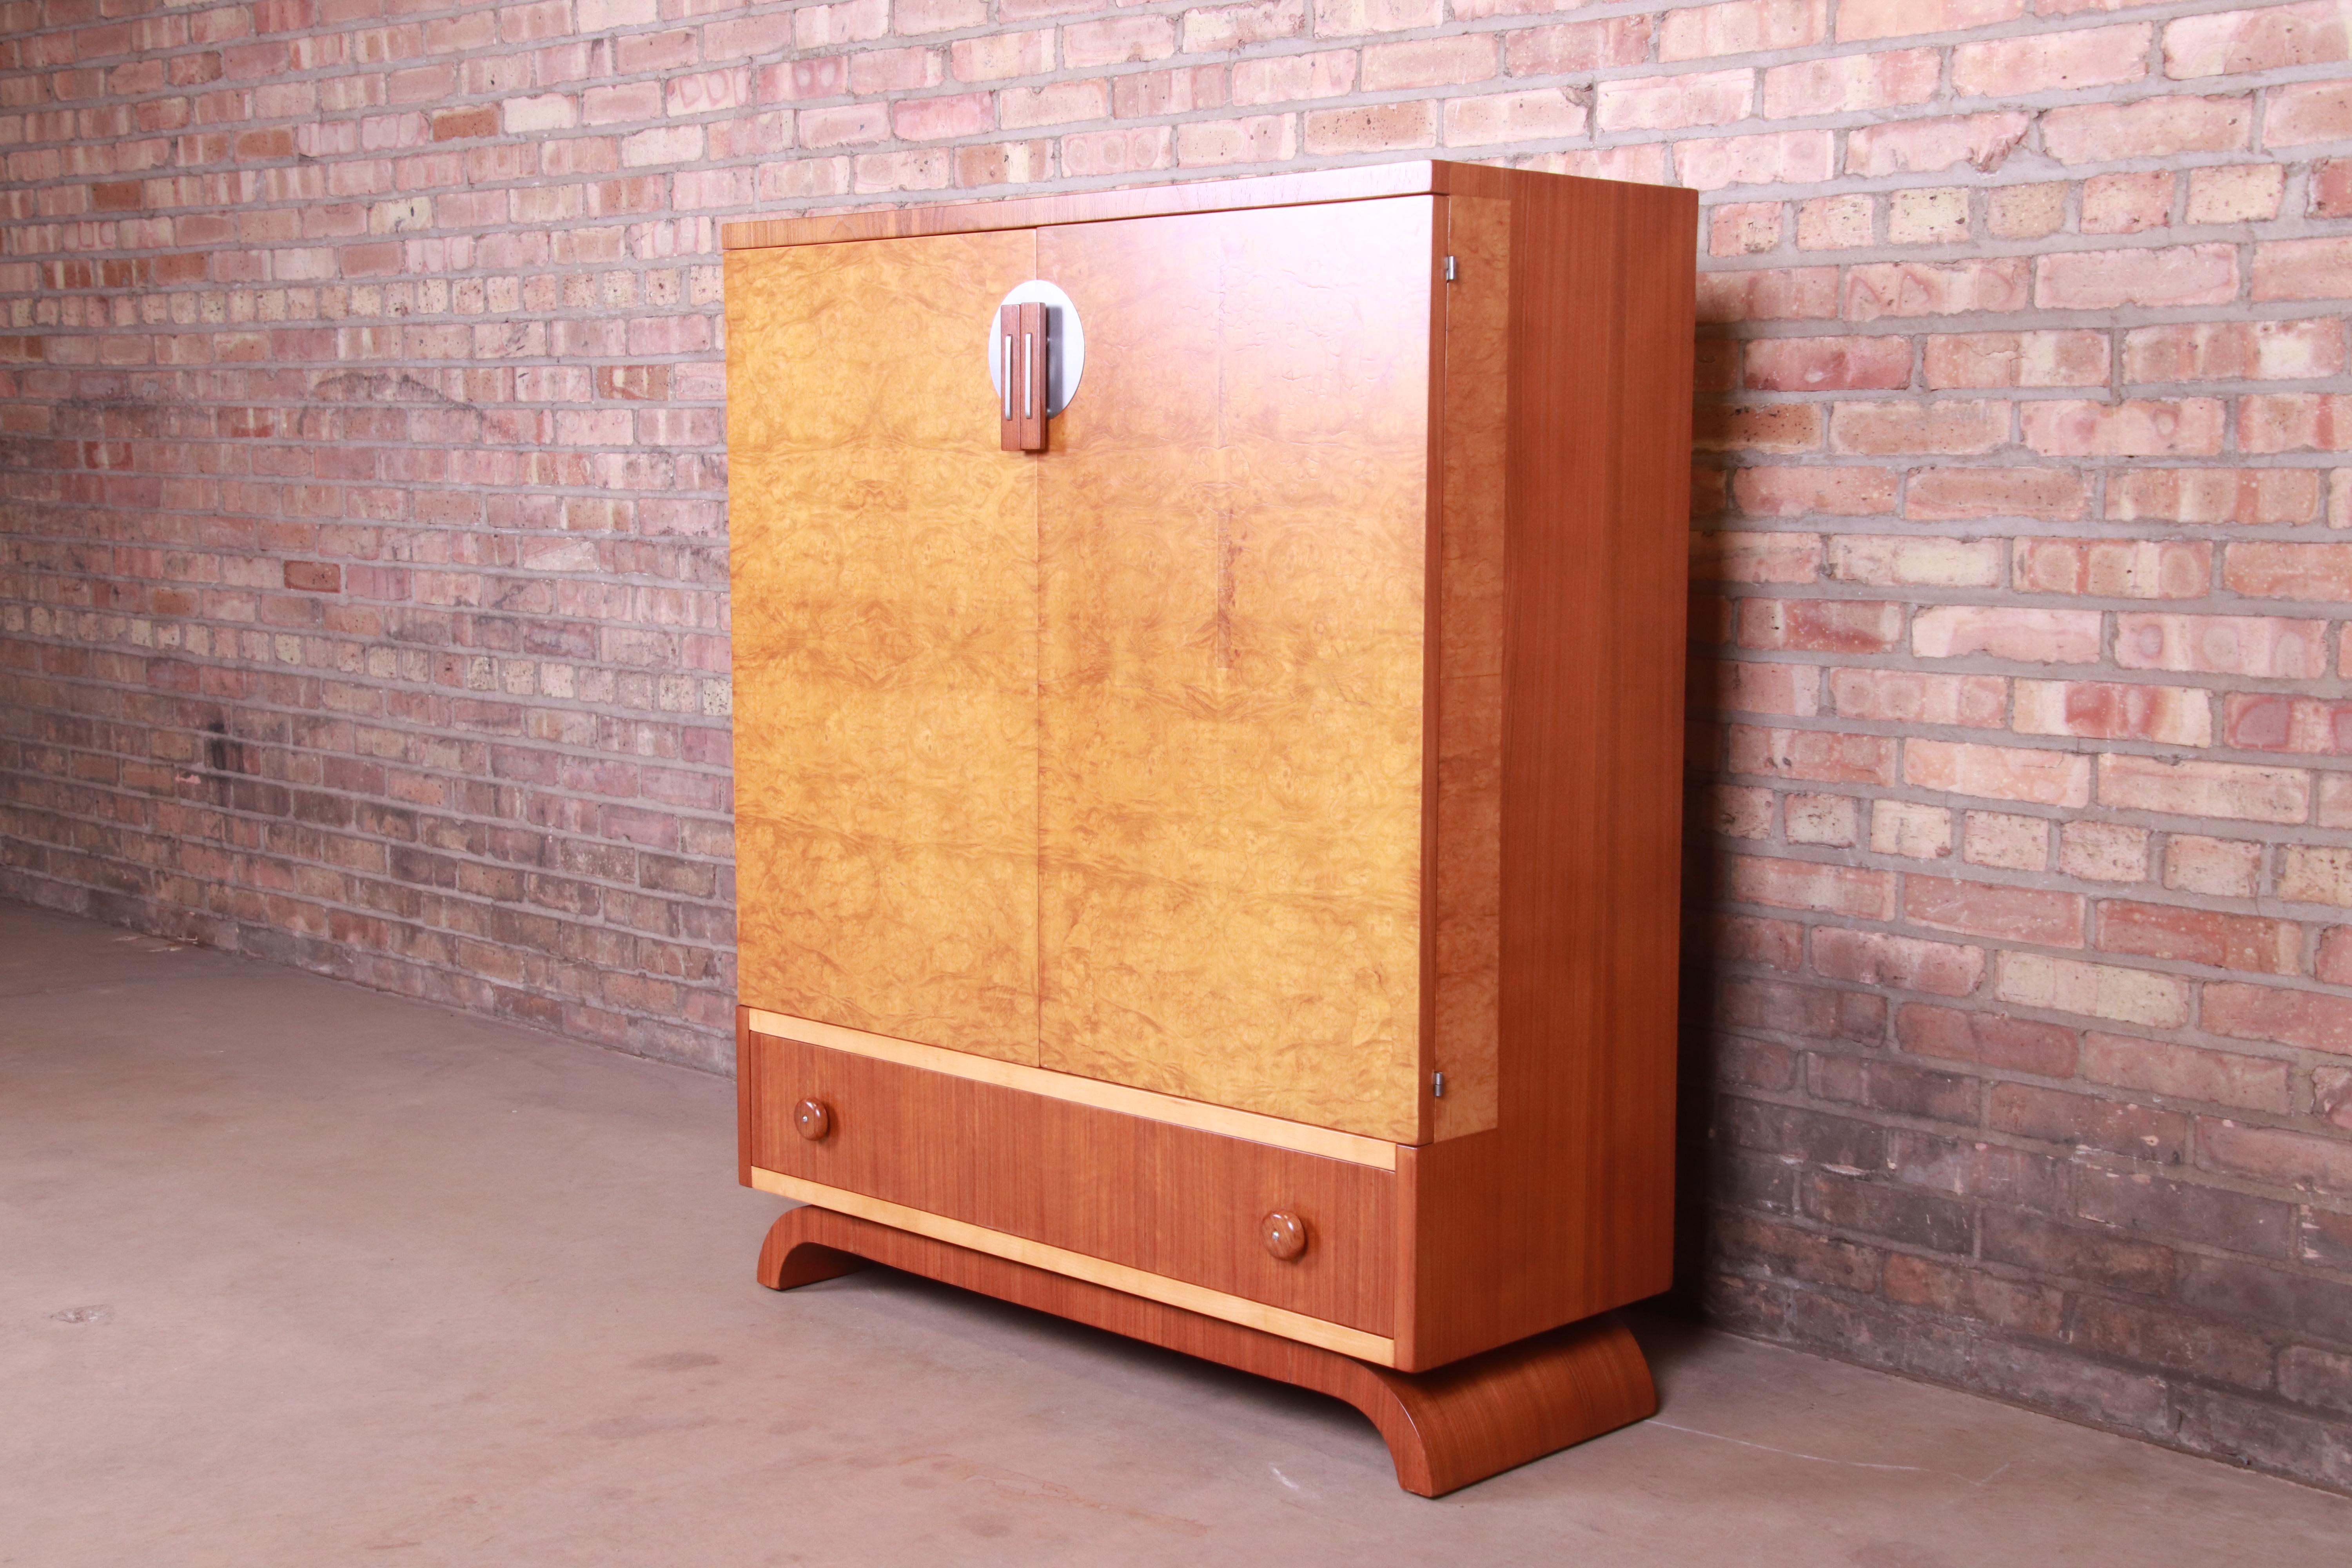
[(1444, 1428)]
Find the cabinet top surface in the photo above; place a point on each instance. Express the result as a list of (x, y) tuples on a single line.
[(1422, 177)]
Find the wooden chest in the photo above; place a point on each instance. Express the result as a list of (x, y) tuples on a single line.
[(1226, 851)]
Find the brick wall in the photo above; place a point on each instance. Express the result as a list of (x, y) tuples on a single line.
[(361, 438)]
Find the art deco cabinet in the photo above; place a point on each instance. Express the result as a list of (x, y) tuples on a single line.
[(1207, 734)]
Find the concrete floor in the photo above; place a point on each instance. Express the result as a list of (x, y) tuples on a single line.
[(300, 1274)]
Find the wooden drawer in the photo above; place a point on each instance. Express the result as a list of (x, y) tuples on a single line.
[(1172, 1203)]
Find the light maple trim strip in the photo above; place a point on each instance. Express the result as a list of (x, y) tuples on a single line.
[(1149, 1105), (1078, 1266)]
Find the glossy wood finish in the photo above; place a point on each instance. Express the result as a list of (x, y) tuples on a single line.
[(1565, 1208), (1218, 1119), (884, 624), (1373, 1348), (1233, 524), (1444, 1430), (1463, 927), (1533, 905), (1165, 1200)]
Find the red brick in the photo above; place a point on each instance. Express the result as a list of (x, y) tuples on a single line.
[(2052, 62), (1821, 365), (2268, 571), (1790, 689), (1577, 47), (2185, 1072), (1906, 696), (2141, 427), (2311, 34), (1998, 772), (1948, 425), (1738, 557), (2103, 280), (1805, 491), (2204, 789), (2017, 359), (1827, 626), (2087, 1122), (1985, 909), (2215, 495), (1952, 494), (2266, 646), (1842, 84), (2235, 351), (1899, 19), (1810, 885), (1880, 289), (2160, 127), (1979, 142), (2109, 711), (2115, 568), (2198, 936), (1824, 755), (2275, 1154), (2020, 636), (2128, 203), (1666, 103), (1906, 963), (1767, 294), (2305, 112)]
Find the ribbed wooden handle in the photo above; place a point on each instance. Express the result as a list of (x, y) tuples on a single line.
[(1284, 1234), (813, 1119)]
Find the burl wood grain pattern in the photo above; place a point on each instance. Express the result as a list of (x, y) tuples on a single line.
[(1565, 1208), (1166, 1200), (884, 615), (1465, 828), (1444, 1430), (1233, 554)]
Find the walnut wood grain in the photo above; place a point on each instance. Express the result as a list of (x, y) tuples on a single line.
[(1233, 556), (1444, 1430), (1564, 1209), (1165, 1200), (884, 608)]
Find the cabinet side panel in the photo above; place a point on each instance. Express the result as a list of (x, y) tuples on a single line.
[(1233, 545), (885, 617), (1566, 1208), (1466, 899)]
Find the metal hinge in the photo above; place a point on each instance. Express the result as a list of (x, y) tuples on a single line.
[(1449, 269), (1437, 1086)]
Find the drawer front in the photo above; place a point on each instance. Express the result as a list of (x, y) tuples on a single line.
[(1169, 1201)]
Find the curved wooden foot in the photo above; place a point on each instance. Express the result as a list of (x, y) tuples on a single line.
[(1444, 1428)]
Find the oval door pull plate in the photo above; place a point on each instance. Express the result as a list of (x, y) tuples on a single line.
[(1037, 356), (1285, 1233), (813, 1119)]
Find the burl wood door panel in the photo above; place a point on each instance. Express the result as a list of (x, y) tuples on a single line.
[(885, 617), (1171, 1201), (1234, 548)]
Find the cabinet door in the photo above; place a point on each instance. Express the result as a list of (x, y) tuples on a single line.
[(1233, 542), (885, 623)]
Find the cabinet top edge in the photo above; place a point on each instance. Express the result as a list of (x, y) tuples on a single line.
[(1362, 183)]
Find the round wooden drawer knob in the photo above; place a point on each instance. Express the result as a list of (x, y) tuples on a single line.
[(813, 1120), (1284, 1234)]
